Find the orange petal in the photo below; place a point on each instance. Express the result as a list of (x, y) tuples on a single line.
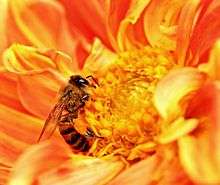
[(36, 160), (132, 16), (199, 153), (38, 78), (205, 33), (177, 129), (174, 88), (4, 172), (212, 68), (17, 131), (80, 54), (8, 92), (38, 92), (84, 10), (21, 59), (186, 21), (117, 10), (60, 169), (205, 105), (28, 24)]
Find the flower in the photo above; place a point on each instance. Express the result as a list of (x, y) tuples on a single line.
[(155, 112)]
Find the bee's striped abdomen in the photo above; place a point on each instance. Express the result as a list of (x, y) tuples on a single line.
[(72, 137)]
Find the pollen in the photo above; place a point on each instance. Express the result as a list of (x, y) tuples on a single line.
[(122, 113)]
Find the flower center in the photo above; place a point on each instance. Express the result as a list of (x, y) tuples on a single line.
[(123, 114)]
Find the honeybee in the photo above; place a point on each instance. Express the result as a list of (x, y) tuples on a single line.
[(71, 101)]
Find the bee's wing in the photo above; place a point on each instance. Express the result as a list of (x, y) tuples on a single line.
[(52, 121)]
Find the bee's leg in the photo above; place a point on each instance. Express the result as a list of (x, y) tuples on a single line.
[(68, 117), (89, 133), (85, 97), (83, 100)]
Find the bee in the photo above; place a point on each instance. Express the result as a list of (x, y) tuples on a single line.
[(71, 101)]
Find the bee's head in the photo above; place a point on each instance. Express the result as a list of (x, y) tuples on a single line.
[(78, 81)]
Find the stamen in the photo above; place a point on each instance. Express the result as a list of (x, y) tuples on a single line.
[(123, 112)]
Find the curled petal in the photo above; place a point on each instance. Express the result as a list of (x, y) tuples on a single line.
[(199, 152), (39, 75), (28, 24), (133, 14), (155, 15), (196, 158), (212, 68), (173, 89), (177, 129), (22, 59), (99, 59)]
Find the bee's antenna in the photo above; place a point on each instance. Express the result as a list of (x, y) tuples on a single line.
[(95, 80)]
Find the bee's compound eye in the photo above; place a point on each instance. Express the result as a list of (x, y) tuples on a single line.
[(81, 82), (78, 81)]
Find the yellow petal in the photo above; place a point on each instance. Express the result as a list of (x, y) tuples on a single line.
[(99, 59), (172, 90), (3, 26), (22, 59), (161, 13), (175, 130), (212, 68)]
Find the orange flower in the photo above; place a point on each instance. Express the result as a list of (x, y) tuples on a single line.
[(156, 109)]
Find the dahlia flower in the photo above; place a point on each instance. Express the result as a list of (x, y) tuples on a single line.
[(155, 113)]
